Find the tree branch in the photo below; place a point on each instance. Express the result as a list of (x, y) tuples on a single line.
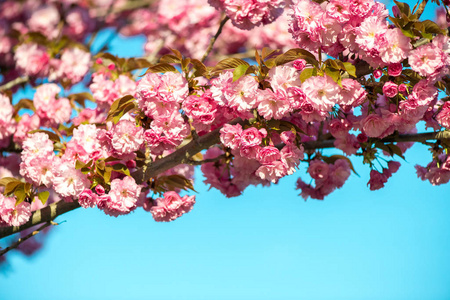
[(13, 83), (46, 214), (182, 156), (21, 240), (214, 38)]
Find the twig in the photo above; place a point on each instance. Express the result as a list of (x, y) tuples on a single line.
[(21, 240), (13, 83), (214, 38)]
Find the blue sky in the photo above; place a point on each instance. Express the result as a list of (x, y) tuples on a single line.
[(267, 244)]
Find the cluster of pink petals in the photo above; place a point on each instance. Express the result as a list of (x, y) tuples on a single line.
[(358, 26), (171, 206), (7, 123), (51, 109), (12, 214), (327, 177), (246, 14), (106, 91), (436, 172), (377, 179)]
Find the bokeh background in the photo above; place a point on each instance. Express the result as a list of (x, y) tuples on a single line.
[(267, 244)]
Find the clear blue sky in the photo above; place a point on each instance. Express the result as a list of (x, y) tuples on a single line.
[(267, 244)]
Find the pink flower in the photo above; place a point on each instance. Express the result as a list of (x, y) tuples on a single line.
[(68, 181), (7, 123), (352, 94), (443, 117), (284, 77), (230, 135), (200, 109), (75, 64), (123, 196), (390, 89), (247, 14), (171, 206), (377, 180), (11, 214), (273, 105), (426, 59), (322, 92), (26, 124), (396, 48), (376, 126), (251, 137), (32, 59), (272, 171), (45, 20), (377, 73), (87, 199), (318, 169), (126, 137), (242, 94), (299, 64), (268, 155), (395, 69)]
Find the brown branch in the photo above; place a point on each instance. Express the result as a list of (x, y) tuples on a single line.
[(13, 83), (46, 214), (21, 240), (182, 156), (214, 38)]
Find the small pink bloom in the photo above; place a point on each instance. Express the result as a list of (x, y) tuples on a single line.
[(390, 89), (377, 73), (299, 64), (395, 69), (87, 199)]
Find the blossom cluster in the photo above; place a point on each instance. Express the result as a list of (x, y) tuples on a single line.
[(257, 125)]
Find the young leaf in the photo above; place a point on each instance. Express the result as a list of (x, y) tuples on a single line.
[(121, 168), (306, 73), (239, 72), (43, 196)]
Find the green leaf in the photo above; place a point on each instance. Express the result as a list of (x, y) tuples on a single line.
[(12, 186), (20, 194), (123, 110), (403, 7), (81, 97), (294, 54), (200, 68), (350, 68), (5, 180), (239, 72), (121, 168), (43, 196), (431, 27), (390, 148), (306, 73), (334, 74), (266, 52), (229, 63), (170, 59), (51, 135), (161, 68)]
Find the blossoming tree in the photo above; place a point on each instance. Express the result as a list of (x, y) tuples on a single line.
[(247, 89)]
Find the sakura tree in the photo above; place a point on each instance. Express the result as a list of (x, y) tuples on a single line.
[(247, 90)]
